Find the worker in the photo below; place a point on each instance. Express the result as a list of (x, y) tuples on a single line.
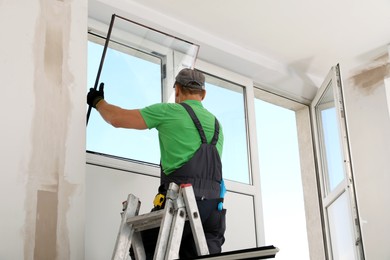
[(191, 143)]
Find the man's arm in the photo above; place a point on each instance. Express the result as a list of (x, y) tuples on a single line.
[(114, 115), (119, 117)]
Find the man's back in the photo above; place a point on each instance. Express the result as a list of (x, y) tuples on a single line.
[(179, 139)]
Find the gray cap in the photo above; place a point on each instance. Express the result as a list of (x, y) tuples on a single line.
[(191, 78)]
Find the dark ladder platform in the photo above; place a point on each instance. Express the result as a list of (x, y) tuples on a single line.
[(264, 252)]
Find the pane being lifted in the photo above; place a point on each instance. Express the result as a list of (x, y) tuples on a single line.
[(147, 43), (155, 42)]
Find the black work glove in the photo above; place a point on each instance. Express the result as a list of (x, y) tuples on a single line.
[(94, 96)]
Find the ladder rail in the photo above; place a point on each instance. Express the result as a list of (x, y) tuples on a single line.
[(125, 234), (194, 218), (177, 228), (165, 230), (138, 246)]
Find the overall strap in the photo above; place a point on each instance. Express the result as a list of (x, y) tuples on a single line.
[(216, 133), (199, 125), (196, 122)]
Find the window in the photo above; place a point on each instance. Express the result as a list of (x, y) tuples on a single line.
[(226, 101), (335, 170), (280, 176)]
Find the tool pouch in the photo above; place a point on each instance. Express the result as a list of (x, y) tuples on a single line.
[(159, 201)]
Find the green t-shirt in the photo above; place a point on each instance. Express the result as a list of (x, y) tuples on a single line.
[(179, 139)]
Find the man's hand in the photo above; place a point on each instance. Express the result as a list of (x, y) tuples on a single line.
[(94, 96)]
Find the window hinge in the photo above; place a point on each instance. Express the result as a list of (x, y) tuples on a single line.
[(163, 71)]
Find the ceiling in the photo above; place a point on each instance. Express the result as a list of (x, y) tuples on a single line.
[(305, 37)]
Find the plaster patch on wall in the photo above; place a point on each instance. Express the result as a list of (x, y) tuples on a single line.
[(53, 58), (46, 225), (372, 76), (65, 194), (49, 130)]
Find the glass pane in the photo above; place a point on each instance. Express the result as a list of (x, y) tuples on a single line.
[(332, 156), (138, 36), (133, 78), (332, 147), (341, 229), (226, 101), (130, 82), (281, 185)]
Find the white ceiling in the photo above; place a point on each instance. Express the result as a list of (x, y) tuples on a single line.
[(303, 36)]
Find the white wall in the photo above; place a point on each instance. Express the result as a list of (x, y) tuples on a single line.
[(106, 189), (43, 77), (367, 108)]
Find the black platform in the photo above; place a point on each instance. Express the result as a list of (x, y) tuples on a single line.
[(264, 252)]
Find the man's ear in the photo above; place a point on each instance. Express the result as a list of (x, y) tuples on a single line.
[(176, 91), (204, 94)]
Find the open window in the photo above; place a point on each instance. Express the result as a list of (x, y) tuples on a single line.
[(340, 213)]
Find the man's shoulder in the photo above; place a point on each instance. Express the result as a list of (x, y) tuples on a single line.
[(160, 111), (161, 106)]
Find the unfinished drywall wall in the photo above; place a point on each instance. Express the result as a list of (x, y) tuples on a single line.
[(43, 146), (368, 119)]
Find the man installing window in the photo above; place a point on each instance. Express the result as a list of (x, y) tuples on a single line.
[(191, 143)]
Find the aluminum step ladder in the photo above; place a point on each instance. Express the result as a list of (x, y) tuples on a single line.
[(180, 206)]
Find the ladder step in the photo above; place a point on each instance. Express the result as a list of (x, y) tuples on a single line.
[(146, 221)]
